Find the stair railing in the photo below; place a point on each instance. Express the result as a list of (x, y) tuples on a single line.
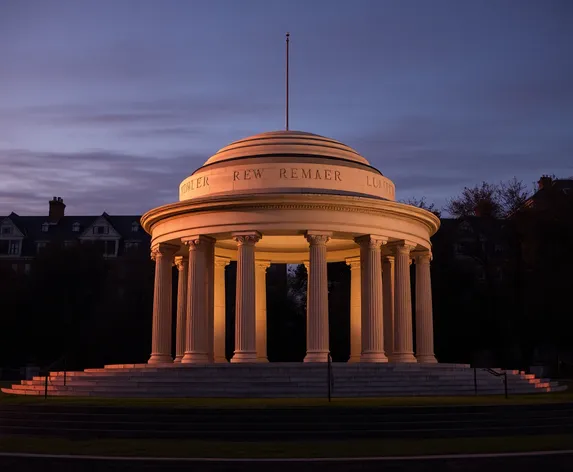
[(47, 370), (492, 372), (330, 377)]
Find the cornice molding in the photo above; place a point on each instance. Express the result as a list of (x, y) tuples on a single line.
[(298, 202)]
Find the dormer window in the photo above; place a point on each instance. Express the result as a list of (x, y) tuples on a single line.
[(45, 227), (76, 227), (101, 230), (134, 227)]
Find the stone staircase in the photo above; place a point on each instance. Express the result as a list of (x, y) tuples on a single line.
[(281, 380)]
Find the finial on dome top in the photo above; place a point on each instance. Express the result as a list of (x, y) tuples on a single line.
[(287, 51)]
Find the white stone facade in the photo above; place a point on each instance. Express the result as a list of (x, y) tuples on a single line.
[(290, 197)]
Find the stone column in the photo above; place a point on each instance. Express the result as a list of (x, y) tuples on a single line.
[(424, 318), (219, 315), (371, 304), (261, 308), (355, 311), (162, 304), (403, 342), (182, 264), (209, 248), (317, 344), (245, 321), (388, 296), (196, 342)]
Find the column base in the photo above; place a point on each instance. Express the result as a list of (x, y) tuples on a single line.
[(373, 357), (354, 359), (178, 359), (320, 356), (403, 357), (195, 358), (244, 357), (426, 359), (160, 359)]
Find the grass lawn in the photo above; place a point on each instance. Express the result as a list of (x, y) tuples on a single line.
[(350, 448), (6, 400)]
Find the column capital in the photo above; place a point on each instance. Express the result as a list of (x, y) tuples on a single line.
[(163, 249), (200, 240), (181, 262), (317, 238), (221, 261), (387, 258), (404, 247), (353, 262), (247, 238), (423, 257), (371, 240), (262, 265)]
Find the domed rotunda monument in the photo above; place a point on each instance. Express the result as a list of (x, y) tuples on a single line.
[(287, 197), (290, 197)]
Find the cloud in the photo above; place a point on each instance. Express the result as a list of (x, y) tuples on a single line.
[(436, 156), (90, 182)]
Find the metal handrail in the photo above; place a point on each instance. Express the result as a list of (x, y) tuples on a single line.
[(47, 374), (330, 377), (492, 372)]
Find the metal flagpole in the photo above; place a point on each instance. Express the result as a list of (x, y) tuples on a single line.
[(287, 51)]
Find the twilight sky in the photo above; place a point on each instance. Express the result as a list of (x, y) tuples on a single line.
[(111, 103)]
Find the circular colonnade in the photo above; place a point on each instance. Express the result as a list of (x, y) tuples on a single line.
[(290, 197)]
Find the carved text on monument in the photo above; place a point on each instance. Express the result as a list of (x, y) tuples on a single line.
[(193, 184), (248, 174), (313, 174)]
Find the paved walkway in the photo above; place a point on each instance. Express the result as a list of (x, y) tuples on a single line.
[(524, 462)]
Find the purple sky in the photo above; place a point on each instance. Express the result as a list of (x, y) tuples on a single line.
[(110, 104)]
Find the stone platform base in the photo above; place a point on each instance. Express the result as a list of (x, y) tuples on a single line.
[(280, 380)]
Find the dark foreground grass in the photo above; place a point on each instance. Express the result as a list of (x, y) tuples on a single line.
[(562, 397), (284, 449)]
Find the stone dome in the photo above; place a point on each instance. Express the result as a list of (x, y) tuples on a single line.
[(287, 143), (286, 162)]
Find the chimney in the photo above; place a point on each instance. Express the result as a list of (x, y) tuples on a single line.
[(57, 207), (544, 182)]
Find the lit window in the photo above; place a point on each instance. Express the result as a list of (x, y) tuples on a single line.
[(134, 227)]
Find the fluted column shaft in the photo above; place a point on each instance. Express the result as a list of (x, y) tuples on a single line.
[(261, 309), (209, 248), (403, 339), (162, 304), (388, 291), (245, 322), (182, 264), (196, 340), (317, 342), (355, 310), (424, 316), (219, 315), (371, 305)]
